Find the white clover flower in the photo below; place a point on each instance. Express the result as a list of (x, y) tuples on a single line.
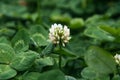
[(117, 58), (59, 34)]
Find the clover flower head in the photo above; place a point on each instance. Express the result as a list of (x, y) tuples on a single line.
[(59, 34), (117, 58)]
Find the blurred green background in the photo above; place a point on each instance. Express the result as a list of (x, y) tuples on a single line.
[(24, 26), (77, 14)]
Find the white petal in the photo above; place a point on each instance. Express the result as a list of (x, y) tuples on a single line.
[(57, 32), (60, 26), (66, 31), (55, 25)]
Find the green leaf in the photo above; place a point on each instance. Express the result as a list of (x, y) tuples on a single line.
[(6, 72), (46, 61), (43, 62), (94, 19), (89, 73), (70, 78), (6, 31), (39, 40), (116, 77), (82, 79), (80, 48), (66, 52), (66, 55), (6, 53), (52, 75), (48, 49), (109, 29), (100, 60), (31, 76), (22, 34), (23, 60), (63, 18), (20, 46), (38, 29), (76, 23), (4, 40), (98, 33), (14, 10)]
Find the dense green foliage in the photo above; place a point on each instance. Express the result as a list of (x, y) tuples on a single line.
[(26, 53)]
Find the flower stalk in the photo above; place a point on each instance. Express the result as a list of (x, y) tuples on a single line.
[(59, 35)]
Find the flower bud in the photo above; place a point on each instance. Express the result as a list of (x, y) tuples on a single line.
[(117, 58)]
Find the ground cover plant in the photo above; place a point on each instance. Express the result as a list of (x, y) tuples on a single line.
[(59, 39)]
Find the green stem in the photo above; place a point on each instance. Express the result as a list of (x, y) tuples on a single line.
[(60, 61), (60, 56), (118, 70)]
